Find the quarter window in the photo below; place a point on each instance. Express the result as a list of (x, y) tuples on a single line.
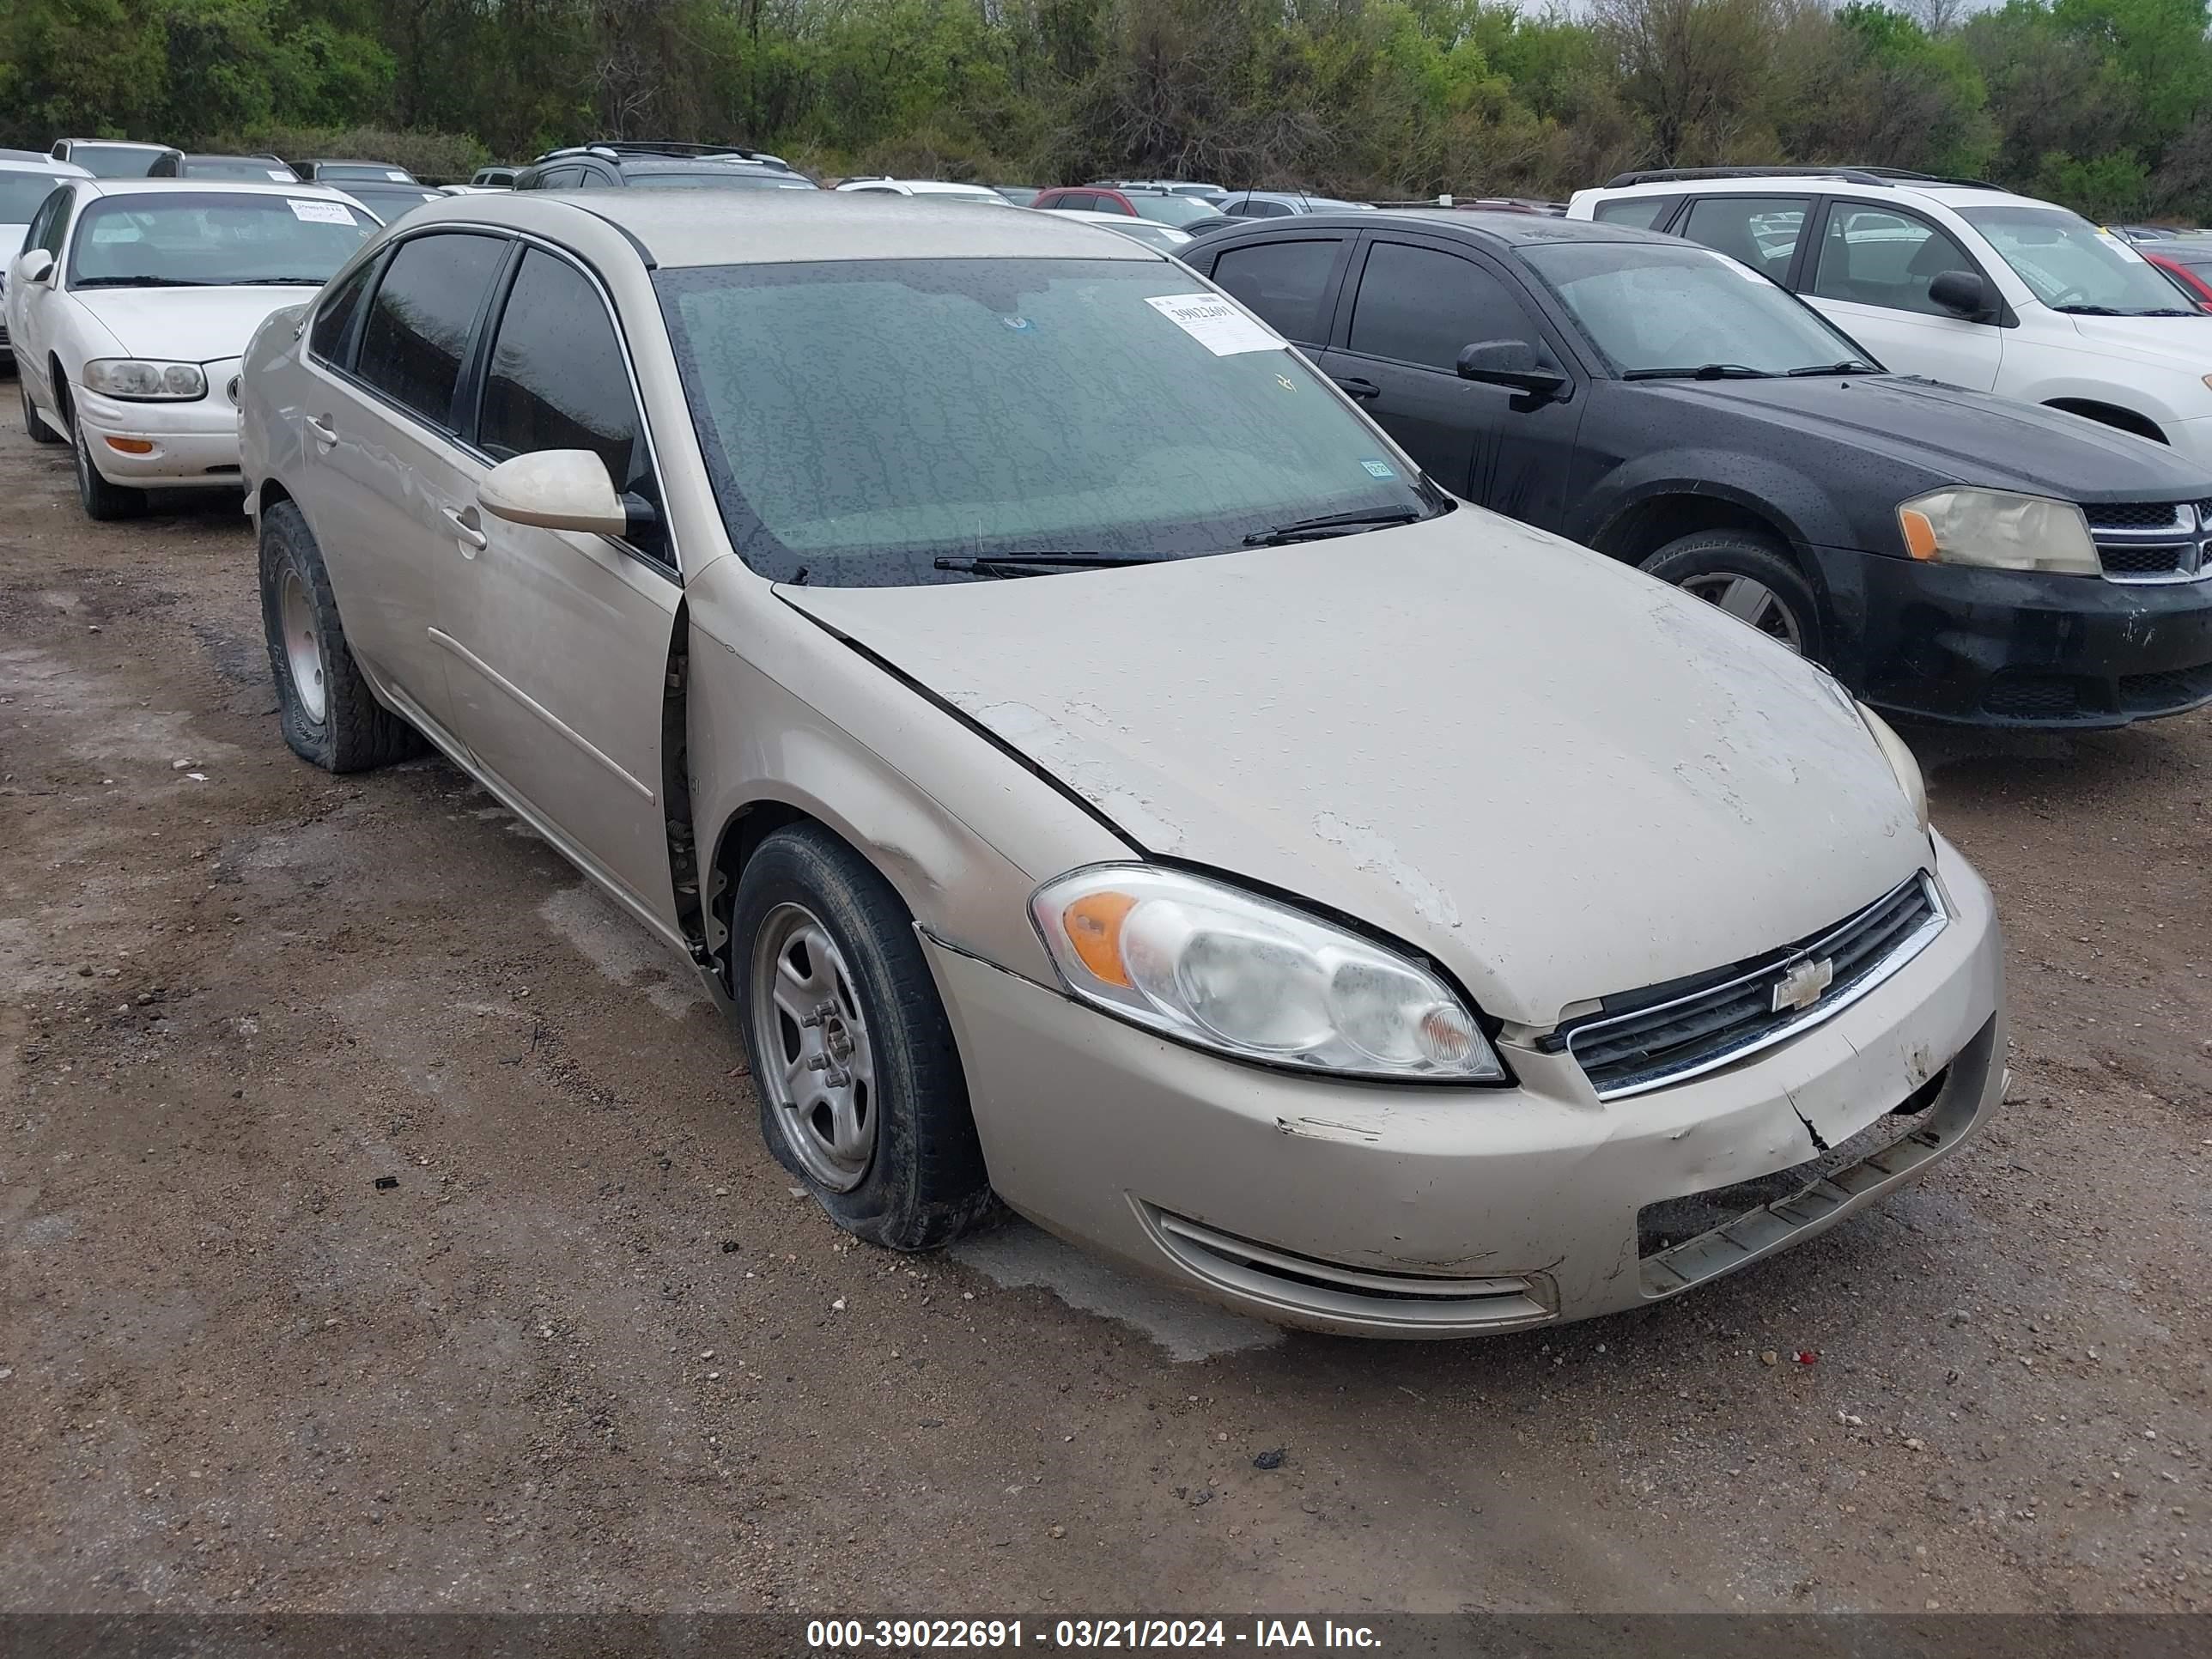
[(1761, 231), (1643, 212), (1284, 282), (557, 381), (418, 325), (1417, 305), (1876, 257)]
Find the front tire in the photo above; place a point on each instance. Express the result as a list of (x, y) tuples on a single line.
[(33, 422), (329, 715), (102, 501), (861, 1092), (1748, 576)]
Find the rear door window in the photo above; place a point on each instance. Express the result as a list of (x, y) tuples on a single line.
[(417, 328), (1284, 282)]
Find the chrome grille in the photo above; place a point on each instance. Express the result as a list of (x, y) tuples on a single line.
[(1647, 1039), (2151, 541)]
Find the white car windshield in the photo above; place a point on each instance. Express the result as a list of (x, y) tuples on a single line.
[(212, 240), (20, 196), (863, 421), (2073, 267), (1172, 209), (1660, 310), (115, 161)]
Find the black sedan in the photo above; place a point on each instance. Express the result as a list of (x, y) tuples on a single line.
[(1948, 553)]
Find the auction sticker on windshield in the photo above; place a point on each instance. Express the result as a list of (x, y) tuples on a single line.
[(1215, 323), (319, 213)]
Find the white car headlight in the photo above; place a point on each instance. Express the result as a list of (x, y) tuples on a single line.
[(2000, 531), (1901, 762), (135, 380), (1250, 978)]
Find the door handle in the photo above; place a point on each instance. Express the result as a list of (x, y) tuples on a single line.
[(322, 432), (1358, 388), (463, 522)]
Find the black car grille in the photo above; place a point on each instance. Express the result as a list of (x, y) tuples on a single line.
[(2157, 559), (2136, 515), (2150, 541), (1646, 1039), (2030, 696)]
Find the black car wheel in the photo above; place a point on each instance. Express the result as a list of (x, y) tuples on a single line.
[(1750, 577)]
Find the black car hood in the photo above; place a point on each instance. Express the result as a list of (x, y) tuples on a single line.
[(1970, 436)]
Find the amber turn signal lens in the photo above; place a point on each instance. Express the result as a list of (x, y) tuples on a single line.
[(1094, 928), (131, 445), (1919, 534)]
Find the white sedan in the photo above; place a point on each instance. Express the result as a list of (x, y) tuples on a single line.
[(129, 308)]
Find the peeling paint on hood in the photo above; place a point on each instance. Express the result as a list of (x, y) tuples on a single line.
[(1560, 778)]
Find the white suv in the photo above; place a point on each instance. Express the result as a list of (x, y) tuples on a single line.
[(1955, 280)]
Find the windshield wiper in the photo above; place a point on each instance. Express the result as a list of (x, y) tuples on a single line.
[(139, 282), (1331, 524), (1849, 366), (2114, 311), (271, 282), (1036, 564), (1703, 372)]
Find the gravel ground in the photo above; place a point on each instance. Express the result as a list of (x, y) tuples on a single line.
[(590, 1351)]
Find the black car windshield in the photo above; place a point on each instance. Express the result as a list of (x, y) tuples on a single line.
[(115, 160), (2070, 264), (20, 196), (861, 420), (212, 239), (1651, 307), (388, 202), (730, 179)]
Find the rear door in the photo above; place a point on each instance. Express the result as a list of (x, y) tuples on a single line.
[(34, 303), (1869, 273), (383, 485), (558, 642), (1414, 305)]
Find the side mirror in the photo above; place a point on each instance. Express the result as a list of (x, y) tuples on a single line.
[(1509, 362), (1964, 294), (36, 266), (555, 490)]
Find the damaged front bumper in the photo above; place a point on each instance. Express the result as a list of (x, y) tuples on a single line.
[(1414, 1212)]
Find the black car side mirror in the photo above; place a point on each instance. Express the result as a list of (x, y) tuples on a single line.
[(1963, 293), (1509, 362)]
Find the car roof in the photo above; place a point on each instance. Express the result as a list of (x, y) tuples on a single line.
[(119, 143), (674, 228), (1483, 225), (43, 164)]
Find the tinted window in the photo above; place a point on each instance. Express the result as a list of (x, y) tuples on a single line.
[(59, 209), (1416, 304), (418, 325), (334, 318), (1642, 211), (557, 380), (1876, 257), (1761, 231), (863, 418), (1284, 282)]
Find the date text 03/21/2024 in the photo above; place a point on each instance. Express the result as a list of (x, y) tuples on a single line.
[(897, 1635)]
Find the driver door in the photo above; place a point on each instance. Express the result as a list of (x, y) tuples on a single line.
[(558, 642)]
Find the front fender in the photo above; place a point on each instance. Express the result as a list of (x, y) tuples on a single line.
[(1802, 509)]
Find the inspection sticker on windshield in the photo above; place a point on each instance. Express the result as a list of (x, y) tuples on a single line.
[(1378, 468), (319, 213), (2119, 246), (1215, 323)]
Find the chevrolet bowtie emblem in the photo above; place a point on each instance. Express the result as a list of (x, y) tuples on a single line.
[(1803, 985)]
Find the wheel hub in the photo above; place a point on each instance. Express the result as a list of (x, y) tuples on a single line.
[(1750, 600), (303, 646), (816, 1067)]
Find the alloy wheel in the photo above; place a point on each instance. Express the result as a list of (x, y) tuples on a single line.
[(1750, 600), (817, 1068)]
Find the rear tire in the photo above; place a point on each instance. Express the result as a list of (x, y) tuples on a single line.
[(329, 715), (1752, 578), (862, 1091), (33, 422), (102, 501)]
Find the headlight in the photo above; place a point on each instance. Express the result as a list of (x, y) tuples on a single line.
[(138, 381), (1901, 762), (1217, 966), (1999, 530)]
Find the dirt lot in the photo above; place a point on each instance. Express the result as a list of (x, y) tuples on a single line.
[(590, 1351)]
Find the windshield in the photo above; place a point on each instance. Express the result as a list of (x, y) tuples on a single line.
[(1165, 238), (115, 160), (1654, 306), (2071, 265), (260, 168), (211, 239), (20, 196), (863, 419), (388, 202), (720, 181), (376, 170), (1172, 209)]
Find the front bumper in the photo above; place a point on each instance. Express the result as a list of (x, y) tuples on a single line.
[(1410, 1212), (192, 444), (2001, 647)]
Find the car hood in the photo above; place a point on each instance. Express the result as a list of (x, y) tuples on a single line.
[(1967, 437), (2179, 343), (1557, 776), (187, 325)]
